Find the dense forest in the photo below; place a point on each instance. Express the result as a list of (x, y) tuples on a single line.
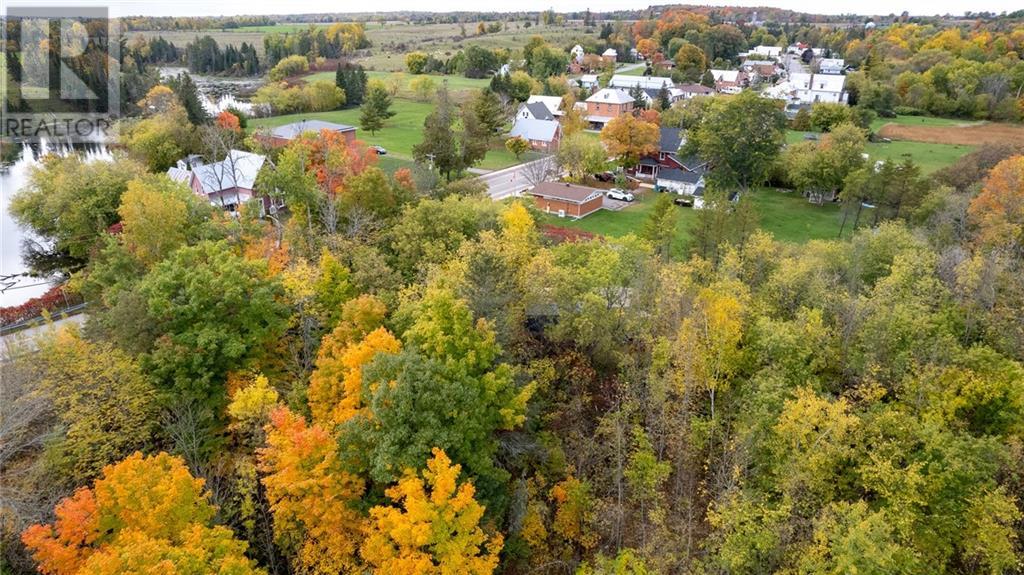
[(406, 376)]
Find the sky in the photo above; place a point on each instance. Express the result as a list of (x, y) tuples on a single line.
[(239, 7)]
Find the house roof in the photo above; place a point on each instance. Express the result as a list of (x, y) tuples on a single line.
[(295, 129), (671, 139), (645, 82), (238, 170), (179, 174), (539, 111), (693, 163), (695, 89), (588, 78), (610, 52), (817, 82), (677, 175), (565, 192), (535, 130), (552, 103), (726, 75), (610, 96)]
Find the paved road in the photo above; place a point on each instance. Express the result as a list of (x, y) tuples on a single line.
[(513, 181), (25, 340)]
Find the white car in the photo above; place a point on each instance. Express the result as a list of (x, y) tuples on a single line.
[(621, 195)]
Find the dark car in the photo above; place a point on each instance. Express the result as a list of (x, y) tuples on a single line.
[(683, 201), (604, 177), (380, 150)]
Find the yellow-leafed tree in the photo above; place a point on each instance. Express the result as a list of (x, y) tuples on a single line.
[(435, 531)]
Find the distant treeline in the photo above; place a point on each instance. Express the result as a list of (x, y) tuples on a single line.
[(185, 23), (204, 56), (316, 41)]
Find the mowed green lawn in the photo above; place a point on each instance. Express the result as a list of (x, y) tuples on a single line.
[(401, 132), (920, 121), (930, 157), (786, 215)]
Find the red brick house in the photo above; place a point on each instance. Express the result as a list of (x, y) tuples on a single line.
[(567, 200), (607, 104)]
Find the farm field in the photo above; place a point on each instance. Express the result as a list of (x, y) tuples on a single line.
[(401, 132), (930, 156), (970, 134), (786, 215), (456, 84)]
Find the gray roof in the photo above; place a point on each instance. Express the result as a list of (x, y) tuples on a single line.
[(671, 139), (611, 96), (693, 163), (695, 89), (179, 174), (295, 129), (539, 111), (239, 169), (535, 130), (675, 175)]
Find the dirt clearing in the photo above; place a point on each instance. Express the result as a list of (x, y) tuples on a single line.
[(968, 135)]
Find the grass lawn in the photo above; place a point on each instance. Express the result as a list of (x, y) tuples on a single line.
[(787, 215), (920, 121), (930, 157), (401, 132)]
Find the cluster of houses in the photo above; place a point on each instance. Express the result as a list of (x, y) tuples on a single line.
[(231, 182)]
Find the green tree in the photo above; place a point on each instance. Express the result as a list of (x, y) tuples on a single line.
[(212, 310), (488, 111), (376, 109), (581, 155), (71, 202), (415, 62), (517, 146), (660, 227), (741, 137)]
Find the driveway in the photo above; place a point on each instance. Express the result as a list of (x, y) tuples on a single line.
[(512, 181), (615, 205)]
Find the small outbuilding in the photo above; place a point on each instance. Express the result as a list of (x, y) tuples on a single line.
[(567, 200)]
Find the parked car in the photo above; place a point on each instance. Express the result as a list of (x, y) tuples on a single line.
[(380, 150), (604, 177), (685, 201), (621, 195)]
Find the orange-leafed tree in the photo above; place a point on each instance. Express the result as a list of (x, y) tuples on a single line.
[(436, 529), (332, 159), (312, 496), (647, 47), (228, 121), (629, 139), (335, 387), (144, 515), (998, 211)]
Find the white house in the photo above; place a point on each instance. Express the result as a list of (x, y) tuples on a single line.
[(811, 88), (682, 182), (577, 53), (534, 111), (610, 55), (552, 103), (588, 81), (645, 82), (770, 51), (831, 65), (729, 81)]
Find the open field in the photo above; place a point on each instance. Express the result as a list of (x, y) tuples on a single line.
[(929, 156), (787, 215), (973, 134), (395, 39), (401, 132), (458, 85), (920, 121)]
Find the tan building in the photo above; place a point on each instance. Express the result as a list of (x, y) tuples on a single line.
[(567, 200)]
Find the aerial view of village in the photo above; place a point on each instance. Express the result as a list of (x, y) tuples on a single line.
[(317, 289)]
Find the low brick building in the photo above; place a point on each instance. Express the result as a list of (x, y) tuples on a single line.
[(567, 200)]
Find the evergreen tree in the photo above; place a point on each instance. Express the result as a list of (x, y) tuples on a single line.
[(708, 79), (376, 109), (488, 111), (639, 98), (663, 99), (188, 95)]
